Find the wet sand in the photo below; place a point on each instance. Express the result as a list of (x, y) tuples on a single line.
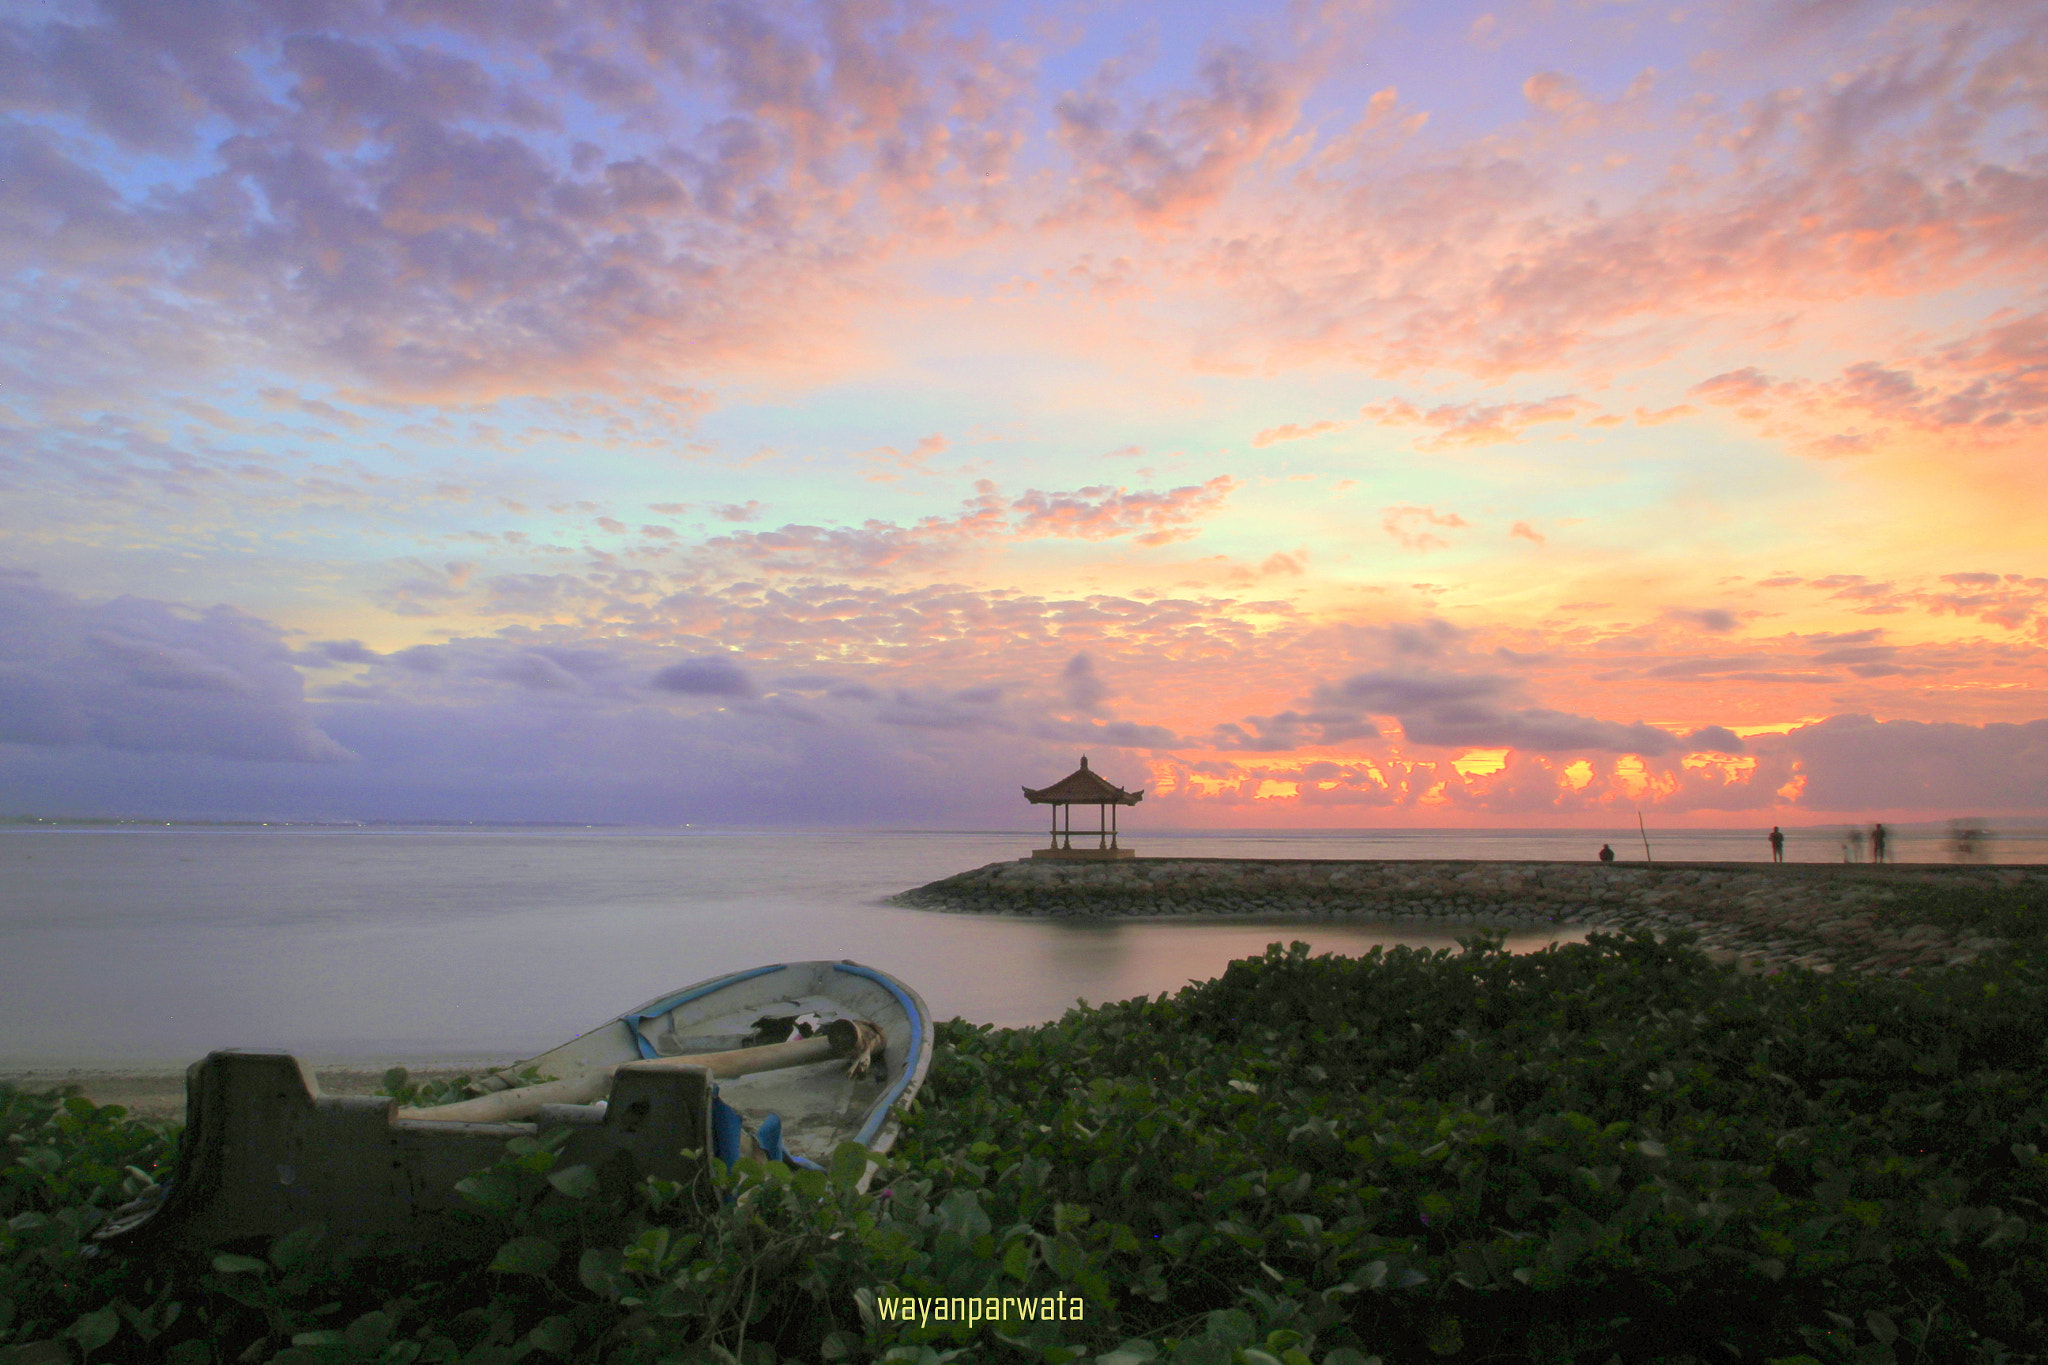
[(159, 1092)]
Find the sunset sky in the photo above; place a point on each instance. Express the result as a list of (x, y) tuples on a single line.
[(1333, 414)]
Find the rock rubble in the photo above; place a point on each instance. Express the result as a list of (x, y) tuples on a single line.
[(1819, 915)]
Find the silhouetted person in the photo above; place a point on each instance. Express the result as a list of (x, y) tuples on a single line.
[(1777, 844), (1853, 853), (1606, 854), (1877, 840)]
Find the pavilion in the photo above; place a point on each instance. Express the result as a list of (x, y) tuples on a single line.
[(1083, 788)]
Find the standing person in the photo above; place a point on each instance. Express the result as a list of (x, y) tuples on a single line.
[(1877, 842), (1777, 844), (1606, 854), (1855, 854)]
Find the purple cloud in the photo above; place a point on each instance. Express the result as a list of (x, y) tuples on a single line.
[(709, 677), (141, 675), (1083, 690), (1859, 763)]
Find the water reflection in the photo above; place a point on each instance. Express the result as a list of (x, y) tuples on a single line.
[(372, 945), (1106, 960)]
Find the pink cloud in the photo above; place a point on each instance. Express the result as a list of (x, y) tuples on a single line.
[(1473, 424), (1168, 160), (1987, 386), (2009, 600), (423, 226), (1404, 524), (1102, 513), (917, 459), (1149, 517), (1743, 388), (418, 226), (1555, 93), (1291, 431)]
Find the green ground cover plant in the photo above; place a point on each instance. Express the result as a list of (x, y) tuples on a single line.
[(1614, 1151), (2017, 914)]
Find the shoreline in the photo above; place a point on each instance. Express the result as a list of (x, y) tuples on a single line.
[(1760, 918), (1763, 917)]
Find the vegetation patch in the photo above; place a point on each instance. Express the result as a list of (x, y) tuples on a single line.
[(2018, 914), (1613, 1151)]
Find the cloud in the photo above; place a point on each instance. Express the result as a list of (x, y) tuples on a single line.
[(1858, 763), (421, 659), (708, 677), (1083, 690), (1716, 620), (329, 278), (1103, 734), (1534, 729), (1103, 513), (533, 670), (331, 652), (1168, 160), (1290, 730), (1149, 517), (1438, 708), (1402, 524), (1555, 93), (1387, 692), (429, 592), (145, 676), (1291, 431), (556, 722), (1432, 637), (393, 193), (1472, 424), (1715, 665), (2009, 600), (1716, 738), (612, 587), (1986, 386), (524, 199)]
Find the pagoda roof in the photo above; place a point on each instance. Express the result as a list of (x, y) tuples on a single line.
[(1082, 787)]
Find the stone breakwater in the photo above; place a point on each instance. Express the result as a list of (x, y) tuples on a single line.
[(1819, 915)]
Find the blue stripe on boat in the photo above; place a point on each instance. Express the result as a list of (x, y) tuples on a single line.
[(632, 1021), (909, 1068)]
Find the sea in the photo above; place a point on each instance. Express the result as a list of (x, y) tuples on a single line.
[(138, 945)]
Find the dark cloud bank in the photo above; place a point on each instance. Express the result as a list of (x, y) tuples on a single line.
[(141, 707)]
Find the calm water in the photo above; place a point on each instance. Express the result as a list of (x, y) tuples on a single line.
[(131, 945)]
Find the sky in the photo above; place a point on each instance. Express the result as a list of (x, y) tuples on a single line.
[(843, 414)]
